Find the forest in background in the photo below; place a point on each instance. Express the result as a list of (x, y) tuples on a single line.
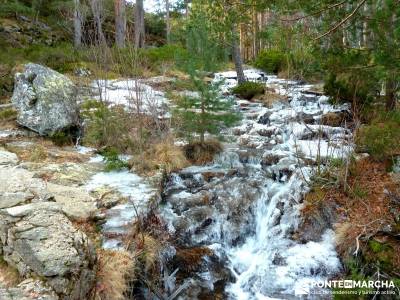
[(350, 48)]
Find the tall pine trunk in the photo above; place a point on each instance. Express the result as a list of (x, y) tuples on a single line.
[(167, 21), (97, 10), (77, 24), (120, 23), (139, 24), (391, 94), (236, 56)]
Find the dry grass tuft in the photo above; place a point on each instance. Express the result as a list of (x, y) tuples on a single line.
[(162, 156), (146, 249), (115, 270), (8, 276), (270, 97), (38, 154), (189, 260), (169, 157), (202, 153)]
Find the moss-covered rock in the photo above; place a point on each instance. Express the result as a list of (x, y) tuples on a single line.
[(46, 100)]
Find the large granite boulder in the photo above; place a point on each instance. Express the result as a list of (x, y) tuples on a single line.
[(46, 100), (39, 241)]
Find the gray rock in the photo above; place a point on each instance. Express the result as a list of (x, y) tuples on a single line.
[(18, 186), (7, 158), (29, 289), (46, 100), (39, 240)]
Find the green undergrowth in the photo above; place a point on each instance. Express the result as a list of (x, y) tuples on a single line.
[(112, 160), (248, 90)]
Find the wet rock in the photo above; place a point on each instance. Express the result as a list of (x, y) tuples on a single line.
[(38, 240), (264, 119), (46, 100), (313, 226), (335, 119), (184, 201)]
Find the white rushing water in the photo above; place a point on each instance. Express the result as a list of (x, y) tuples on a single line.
[(256, 194)]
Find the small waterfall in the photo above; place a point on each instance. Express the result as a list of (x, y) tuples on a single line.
[(247, 205)]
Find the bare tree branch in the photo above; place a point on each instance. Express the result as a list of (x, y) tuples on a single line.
[(334, 28)]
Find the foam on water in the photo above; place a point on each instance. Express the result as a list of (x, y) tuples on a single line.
[(268, 263)]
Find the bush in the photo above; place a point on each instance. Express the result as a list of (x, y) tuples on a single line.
[(61, 138), (248, 89), (112, 160), (202, 153), (346, 90), (381, 138), (14, 7), (105, 126), (62, 58), (271, 61), (164, 54)]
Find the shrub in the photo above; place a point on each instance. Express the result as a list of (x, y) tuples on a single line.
[(248, 89), (112, 160), (61, 138), (105, 126), (164, 54), (61, 58), (381, 138), (202, 153), (346, 90), (14, 7), (271, 61)]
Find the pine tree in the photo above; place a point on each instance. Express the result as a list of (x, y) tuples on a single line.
[(207, 112)]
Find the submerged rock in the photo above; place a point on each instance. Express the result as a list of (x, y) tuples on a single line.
[(46, 100)]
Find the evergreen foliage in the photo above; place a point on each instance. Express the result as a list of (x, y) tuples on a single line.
[(206, 112)]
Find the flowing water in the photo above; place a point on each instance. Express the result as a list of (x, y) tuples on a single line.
[(246, 205)]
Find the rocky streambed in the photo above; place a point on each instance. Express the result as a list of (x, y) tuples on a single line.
[(232, 222), (245, 207)]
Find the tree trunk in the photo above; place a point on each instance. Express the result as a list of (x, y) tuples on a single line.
[(139, 24), (120, 23), (365, 26), (77, 24), (255, 33), (391, 94), (167, 21), (97, 10), (186, 9), (237, 58)]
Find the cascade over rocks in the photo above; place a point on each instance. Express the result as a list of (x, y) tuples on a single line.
[(46, 100)]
